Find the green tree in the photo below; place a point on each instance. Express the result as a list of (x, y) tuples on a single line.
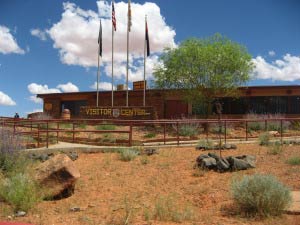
[(204, 69)]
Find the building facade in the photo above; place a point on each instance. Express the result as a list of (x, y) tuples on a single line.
[(170, 104)]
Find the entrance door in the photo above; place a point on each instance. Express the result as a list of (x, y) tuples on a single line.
[(175, 109)]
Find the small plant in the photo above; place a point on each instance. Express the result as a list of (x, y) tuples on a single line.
[(108, 138), (205, 144), (150, 135), (144, 160), (127, 155), (294, 161), (275, 148), (105, 126), (20, 191), (167, 209), (260, 195), (264, 139), (199, 172)]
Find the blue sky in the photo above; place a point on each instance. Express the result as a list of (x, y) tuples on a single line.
[(51, 45)]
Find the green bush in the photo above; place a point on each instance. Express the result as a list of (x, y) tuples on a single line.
[(20, 191), (105, 126), (294, 161), (167, 209), (150, 135), (260, 195), (127, 155), (188, 130), (264, 139), (275, 148), (206, 143)]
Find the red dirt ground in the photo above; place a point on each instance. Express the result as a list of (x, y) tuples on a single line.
[(108, 188)]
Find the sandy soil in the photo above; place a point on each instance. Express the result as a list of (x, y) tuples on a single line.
[(109, 189)]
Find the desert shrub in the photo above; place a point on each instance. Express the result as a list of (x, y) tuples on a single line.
[(214, 128), (167, 209), (271, 125), (128, 154), (260, 195), (187, 129), (20, 191), (275, 148), (108, 138), (294, 161), (144, 160), (10, 145), (105, 126), (150, 135), (206, 143), (264, 139)]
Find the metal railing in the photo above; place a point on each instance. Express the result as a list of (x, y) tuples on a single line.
[(45, 131)]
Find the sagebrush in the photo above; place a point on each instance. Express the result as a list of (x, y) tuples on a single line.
[(260, 195)]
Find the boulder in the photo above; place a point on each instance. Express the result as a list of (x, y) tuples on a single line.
[(223, 165), (206, 162), (58, 175), (73, 155), (149, 151), (238, 164), (250, 159)]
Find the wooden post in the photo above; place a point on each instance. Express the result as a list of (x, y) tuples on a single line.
[(47, 135), (130, 135), (73, 128), (164, 133), (57, 132), (281, 131), (177, 125), (225, 131), (38, 137), (246, 130)]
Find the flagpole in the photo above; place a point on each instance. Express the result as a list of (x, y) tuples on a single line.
[(98, 70), (144, 95), (98, 75), (127, 65), (112, 64)]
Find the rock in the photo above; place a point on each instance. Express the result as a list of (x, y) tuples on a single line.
[(250, 159), (43, 157), (217, 158), (149, 151), (75, 209), (208, 163), (58, 175), (274, 132), (238, 164), (73, 155), (20, 214), (222, 165)]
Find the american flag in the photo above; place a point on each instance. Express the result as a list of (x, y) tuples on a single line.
[(100, 39), (147, 39), (113, 16)]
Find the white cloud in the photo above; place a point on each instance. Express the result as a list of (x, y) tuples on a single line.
[(34, 111), (105, 86), (8, 44), (75, 35), (285, 69), (42, 35), (6, 100), (68, 87), (35, 89), (271, 53)]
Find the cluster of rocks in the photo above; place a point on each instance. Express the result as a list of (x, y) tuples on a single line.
[(149, 151), (46, 156), (205, 147), (211, 161)]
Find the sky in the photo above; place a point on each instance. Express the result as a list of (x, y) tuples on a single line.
[(50, 46)]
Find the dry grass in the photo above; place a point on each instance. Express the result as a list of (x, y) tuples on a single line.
[(111, 191)]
